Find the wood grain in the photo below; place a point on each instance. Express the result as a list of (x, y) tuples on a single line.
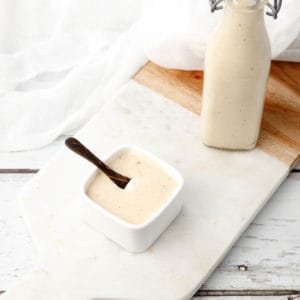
[(249, 297), (280, 129), (261, 257), (247, 293), (18, 171)]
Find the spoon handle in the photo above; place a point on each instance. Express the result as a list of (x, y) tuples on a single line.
[(74, 145)]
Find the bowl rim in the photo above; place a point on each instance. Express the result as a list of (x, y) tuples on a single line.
[(169, 169)]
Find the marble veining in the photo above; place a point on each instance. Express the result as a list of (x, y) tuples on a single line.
[(223, 192)]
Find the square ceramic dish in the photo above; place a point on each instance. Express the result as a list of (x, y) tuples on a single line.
[(134, 238)]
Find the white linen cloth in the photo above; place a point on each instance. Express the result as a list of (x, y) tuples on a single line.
[(60, 60)]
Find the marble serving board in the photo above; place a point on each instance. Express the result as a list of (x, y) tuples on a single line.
[(223, 192)]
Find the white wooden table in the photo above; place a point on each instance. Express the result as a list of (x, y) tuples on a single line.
[(263, 264)]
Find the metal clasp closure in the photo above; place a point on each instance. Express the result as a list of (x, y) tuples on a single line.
[(274, 8), (214, 5)]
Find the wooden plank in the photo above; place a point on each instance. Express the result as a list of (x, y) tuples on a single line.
[(17, 252), (268, 253), (33, 159), (18, 171), (280, 131), (247, 294), (267, 256), (250, 297)]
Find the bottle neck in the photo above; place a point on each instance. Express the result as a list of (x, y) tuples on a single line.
[(245, 12), (247, 5)]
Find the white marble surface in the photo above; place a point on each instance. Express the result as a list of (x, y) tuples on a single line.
[(265, 257), (192, 246)]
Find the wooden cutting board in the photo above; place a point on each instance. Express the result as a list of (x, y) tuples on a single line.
[(280, 131), (223, 192)]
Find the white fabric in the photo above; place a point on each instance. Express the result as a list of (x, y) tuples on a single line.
[(60, 60), (177, 31)]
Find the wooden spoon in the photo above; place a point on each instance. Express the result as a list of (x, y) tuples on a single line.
[(120, 180)]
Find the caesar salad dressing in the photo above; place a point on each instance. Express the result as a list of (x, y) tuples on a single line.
[(150, 187), (237, 65)]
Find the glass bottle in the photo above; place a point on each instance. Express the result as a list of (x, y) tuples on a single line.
[(237, 65)]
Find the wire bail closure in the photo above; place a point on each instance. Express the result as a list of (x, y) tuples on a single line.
[(273, 12)]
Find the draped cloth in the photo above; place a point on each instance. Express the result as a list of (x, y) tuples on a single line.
[(61, 60)]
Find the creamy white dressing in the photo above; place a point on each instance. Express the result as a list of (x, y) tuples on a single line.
[(150, 187), (237, 65)]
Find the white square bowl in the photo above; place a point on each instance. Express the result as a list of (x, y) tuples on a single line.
[(134, 238)]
